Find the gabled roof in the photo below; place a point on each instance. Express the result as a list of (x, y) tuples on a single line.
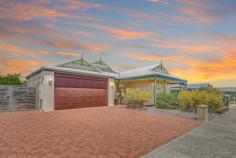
[(103, 66), (151, 70), (160, 68), (80, 64)]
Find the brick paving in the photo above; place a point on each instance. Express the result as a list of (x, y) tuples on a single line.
[(104, 132)]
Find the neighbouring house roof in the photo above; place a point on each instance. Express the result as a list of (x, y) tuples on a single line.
[(227, 89), (157, 70), (80, 64), (199, 86), (103, 66)]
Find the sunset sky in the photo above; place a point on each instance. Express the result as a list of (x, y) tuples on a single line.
[(195, 39)]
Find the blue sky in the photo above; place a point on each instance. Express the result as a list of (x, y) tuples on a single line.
[(196, 39)]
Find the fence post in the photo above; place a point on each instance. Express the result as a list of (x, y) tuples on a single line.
[(11, 100)]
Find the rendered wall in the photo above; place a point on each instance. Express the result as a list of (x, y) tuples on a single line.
[(111, 92), (48, 91), (146, 85)]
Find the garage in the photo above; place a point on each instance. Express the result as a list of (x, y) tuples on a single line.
[(79, 91), (75, 84)]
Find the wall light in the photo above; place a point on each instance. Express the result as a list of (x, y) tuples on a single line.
[(50, 80), (112, 84)]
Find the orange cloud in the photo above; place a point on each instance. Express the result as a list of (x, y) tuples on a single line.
[(187, 48), (68, 54), (150, 57), (65, 44), (93, 47), (119, 33), (16, 50), (28, 11), (198, 70), (9, 65)]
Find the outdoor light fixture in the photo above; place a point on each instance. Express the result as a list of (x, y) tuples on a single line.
[(112, 84), (50, 80)]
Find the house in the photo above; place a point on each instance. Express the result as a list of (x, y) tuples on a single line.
[(229, 91), (153, 78), (199, 86), (79, 83), (74, 84)]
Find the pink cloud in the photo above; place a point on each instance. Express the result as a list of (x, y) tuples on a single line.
[(126, 34)]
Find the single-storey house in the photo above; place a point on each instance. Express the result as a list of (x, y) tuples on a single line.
[(79, 84), (153, 78)]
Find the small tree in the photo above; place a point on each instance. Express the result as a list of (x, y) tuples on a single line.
[(11, 79)]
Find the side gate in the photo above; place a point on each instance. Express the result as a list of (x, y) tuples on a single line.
[(17, 98)]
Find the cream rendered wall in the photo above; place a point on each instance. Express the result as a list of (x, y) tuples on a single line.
[(167, 87), (146, 85), (48, 91), (111, 92)]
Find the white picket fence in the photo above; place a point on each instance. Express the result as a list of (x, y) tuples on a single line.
[(17, 98)]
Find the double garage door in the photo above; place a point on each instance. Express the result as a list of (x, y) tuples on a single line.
[(77, 91)]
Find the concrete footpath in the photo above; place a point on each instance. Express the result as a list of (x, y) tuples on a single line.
[(215, 139)]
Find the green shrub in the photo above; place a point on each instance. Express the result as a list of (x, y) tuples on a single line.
[(190, 99), (136, 97), (11, 79), (168, 101)]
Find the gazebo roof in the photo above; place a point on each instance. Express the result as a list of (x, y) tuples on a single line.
[(80, 64), (103, 66)]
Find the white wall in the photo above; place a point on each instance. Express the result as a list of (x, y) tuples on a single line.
[(111, 92), (48, 92)]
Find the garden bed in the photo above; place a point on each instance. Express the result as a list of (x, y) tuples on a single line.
[(178, 113)]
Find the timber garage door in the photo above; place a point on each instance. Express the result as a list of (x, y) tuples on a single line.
[(77, 91)]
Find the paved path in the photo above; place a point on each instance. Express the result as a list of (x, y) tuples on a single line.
[(103, 132), (215, 139)]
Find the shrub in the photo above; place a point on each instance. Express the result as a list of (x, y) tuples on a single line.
[(168, 101), (136, 97), (11, 79), (190, 99)]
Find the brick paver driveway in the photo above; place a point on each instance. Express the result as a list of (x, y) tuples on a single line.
[(89, 132)]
